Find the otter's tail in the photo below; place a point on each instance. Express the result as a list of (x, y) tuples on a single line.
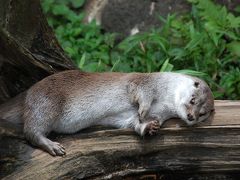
[(12, 110)]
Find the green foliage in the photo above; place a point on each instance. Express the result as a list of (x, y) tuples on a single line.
[(205, 43), (84, 43), (230, 81)]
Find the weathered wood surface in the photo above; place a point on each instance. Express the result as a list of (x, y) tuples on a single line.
[(206, 150)]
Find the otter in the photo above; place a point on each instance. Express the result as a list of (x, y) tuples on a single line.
[(70, 101)]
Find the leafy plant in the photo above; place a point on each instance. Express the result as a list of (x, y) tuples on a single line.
[(84, 43), (205, 43), (230, 81)]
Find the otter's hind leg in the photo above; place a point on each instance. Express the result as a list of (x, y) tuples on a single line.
[(36, 135), (38, 139)]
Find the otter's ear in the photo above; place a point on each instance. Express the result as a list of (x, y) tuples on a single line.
[(196, 84)]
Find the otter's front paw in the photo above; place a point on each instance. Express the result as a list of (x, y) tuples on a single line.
[(152, 127)]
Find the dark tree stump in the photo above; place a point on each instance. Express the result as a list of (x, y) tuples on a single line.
[(29, 50)]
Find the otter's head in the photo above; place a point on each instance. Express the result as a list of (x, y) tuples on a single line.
[(198, 103)]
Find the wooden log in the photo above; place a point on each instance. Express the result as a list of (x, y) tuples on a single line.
[(201, 151)]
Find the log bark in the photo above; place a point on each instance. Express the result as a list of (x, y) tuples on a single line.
[(29, 50), (210, 151)]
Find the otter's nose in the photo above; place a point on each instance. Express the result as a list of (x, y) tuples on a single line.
[(190, 117)]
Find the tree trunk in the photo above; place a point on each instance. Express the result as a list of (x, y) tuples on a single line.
[(29, 50)]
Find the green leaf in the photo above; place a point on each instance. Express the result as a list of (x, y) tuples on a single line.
[(77, 3), (162, 42), (234, 48), (70, 51), (194, 42), (91, 67), (82, 61), (60, 9), (191, 72), (233, 21), (177, 53), (115, 64), (196, 38), (166, 67), (131, 42), (47, 5)]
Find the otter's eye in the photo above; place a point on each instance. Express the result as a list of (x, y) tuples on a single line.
[(192, 101)]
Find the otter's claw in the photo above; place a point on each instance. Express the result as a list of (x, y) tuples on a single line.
[(55, 149), (152, 127)]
